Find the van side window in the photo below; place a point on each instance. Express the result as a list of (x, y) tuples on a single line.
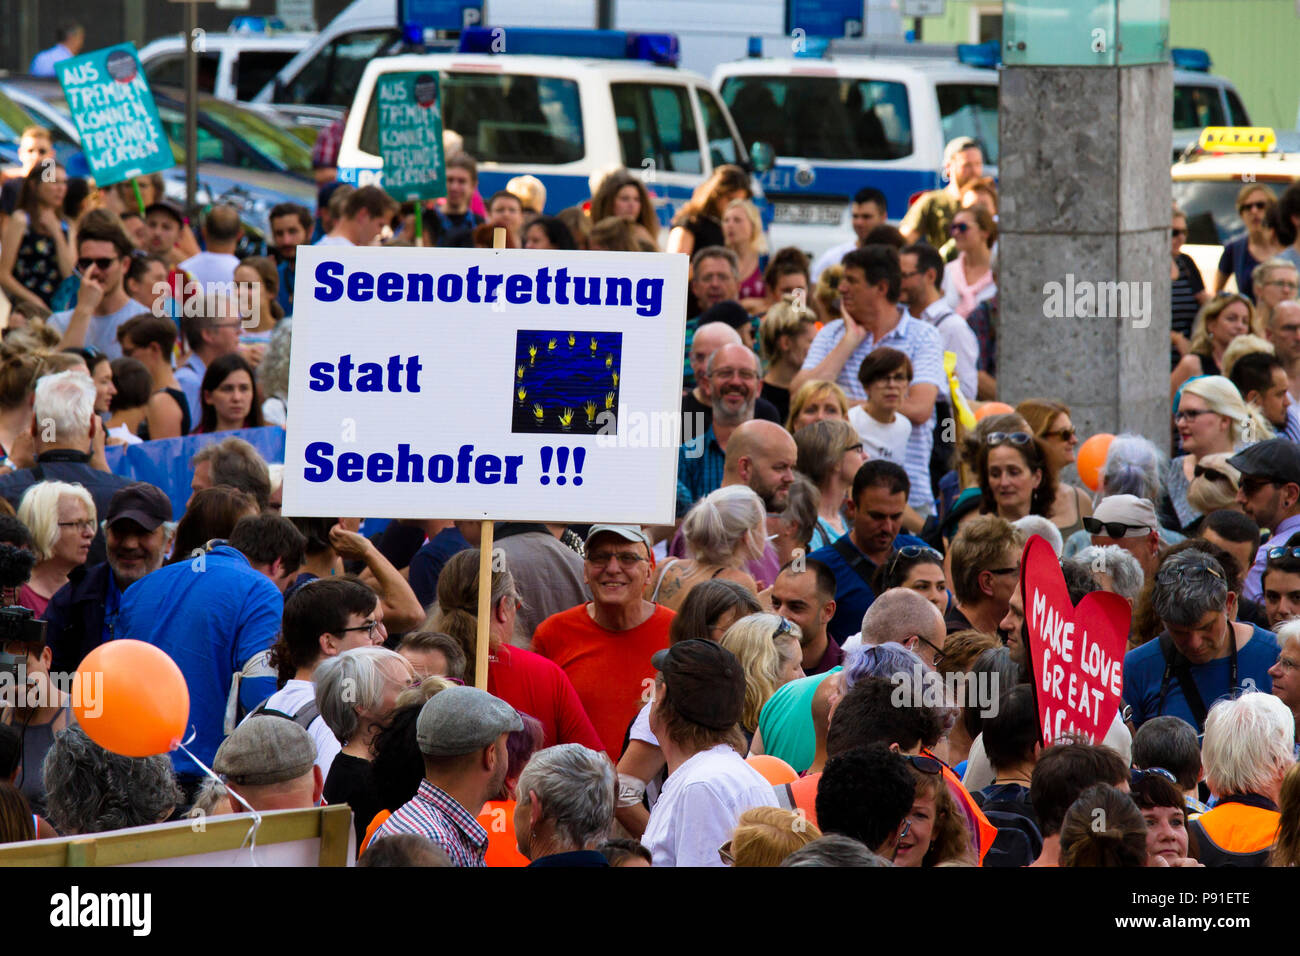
[(722, 145), (169, 70), (255, 68), (331, 77), (1237, 115), (969, 109), (656, 123)]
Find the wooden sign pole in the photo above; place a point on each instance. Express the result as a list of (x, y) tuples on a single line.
[(485, 562)]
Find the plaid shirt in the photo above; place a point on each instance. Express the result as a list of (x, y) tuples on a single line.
[(435, 814), (325, 152), (699, 469)]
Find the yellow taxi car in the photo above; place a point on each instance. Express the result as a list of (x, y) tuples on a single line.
[(1209, 177)]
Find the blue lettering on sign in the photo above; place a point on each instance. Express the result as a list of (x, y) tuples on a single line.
[(408, 467)]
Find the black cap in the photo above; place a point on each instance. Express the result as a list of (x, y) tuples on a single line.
[(728, 311), (141, 502), (1276, 459), (705, 682), (167, 206)]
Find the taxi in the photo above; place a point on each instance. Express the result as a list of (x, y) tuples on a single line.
[(1210, 175)]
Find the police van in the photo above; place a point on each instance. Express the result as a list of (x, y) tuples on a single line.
[(611, 102), (874, 113), (856, 113)]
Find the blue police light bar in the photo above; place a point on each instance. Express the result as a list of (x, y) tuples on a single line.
[(755, 48), (660, 48), (256, 25), (984, 55), (1189, 58), (813, 48)]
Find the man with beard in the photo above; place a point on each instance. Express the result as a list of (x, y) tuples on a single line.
[(734, 384), (83, 613), (930, 216), (461, 734), (290, 228), (1270, 494)]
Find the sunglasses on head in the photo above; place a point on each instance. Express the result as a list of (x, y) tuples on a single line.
[(103, 263), (923, 763), (1016, 438), (1136, 775), (1201, 471), (1111, 529), (1275, 554)]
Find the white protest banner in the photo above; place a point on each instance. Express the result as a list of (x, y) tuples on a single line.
[(495, 384)]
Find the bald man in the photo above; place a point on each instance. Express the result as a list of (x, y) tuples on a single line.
[(903, 616), (697, 402)]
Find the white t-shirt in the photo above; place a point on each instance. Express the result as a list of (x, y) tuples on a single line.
[(832, 257), (293, 697), (700, 806), (888, 442), (209, 268), (641, 731), (334, 241), (102, 329)]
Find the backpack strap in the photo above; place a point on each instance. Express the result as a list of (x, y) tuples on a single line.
[(1179, 667), (855, 558), (302, 717)]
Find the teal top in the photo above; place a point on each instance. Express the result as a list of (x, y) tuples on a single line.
[(786, 723)]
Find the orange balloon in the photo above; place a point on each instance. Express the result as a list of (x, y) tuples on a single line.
[(992, 408), (130, 698), (774, 769), (1090, 458)]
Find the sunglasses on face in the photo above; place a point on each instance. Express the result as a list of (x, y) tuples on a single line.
[(1252, 206), (1177, 233), (1111, 529), (958, 228), (1065, 434), (103, 264)]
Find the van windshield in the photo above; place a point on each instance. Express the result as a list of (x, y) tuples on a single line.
[(822, 117), (504, 117), (968, 109)]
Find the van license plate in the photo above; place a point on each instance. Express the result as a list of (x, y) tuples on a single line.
[(810, 214)]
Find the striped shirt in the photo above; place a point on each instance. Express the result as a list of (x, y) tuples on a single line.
[(921, 343), (699, 469), (435, 814)]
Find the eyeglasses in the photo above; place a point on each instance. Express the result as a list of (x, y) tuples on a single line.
[(84, 525), (902, 378), (103, 263), (1065, 434), (1275, 554), (1015, 438), (724, 852), (1111, 529), (744, 374), (1191, 414), (938, 651), (368, 627), (626, 559), (958, 229), (1252, 206), (1283, 283), (923, 763), (1004, 570)]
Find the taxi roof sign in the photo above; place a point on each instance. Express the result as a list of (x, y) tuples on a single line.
[(1238, 139)]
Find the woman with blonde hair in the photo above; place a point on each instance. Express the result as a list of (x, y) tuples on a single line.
[(830, 454), (764, 836), (1215, 486), (699, 222), (1218, 322), (1049, 421), (724, 530), (1256, 204), (624, 195), (767, 646), (61, 518), (526, 681), (815, 400), (1211, 417), (742, 227), (784, 336), (1275, 281), (1286, 848)]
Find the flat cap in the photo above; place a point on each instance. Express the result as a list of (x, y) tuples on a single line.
[(263, 750), (1276, 459), (461, 720)]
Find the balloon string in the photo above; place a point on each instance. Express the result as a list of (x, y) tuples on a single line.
[(250, 838)]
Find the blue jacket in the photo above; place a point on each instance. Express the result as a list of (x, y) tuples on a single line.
[(211, 615)]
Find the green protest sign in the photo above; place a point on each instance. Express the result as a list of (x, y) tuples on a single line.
[(410, 136), (110, 101)]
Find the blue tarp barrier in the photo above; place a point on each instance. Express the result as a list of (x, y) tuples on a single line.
[(165, 462)]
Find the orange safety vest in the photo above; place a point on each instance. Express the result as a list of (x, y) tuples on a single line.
[(498, 819), (1235, 833)]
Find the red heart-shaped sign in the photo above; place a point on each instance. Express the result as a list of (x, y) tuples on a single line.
[(1077, 653)]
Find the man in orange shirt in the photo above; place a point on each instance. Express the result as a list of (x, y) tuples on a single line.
[(605, 646)]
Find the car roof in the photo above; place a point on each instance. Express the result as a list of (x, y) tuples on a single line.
[(1267, 167), (538, 65), (221, 41), (938, 68)]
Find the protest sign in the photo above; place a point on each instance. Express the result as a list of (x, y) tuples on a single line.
[(1077, 653), (497, 384), (410, 136), (109, 99)]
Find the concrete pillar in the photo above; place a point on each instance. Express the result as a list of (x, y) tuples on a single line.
[(133, 30), (1084, 203)]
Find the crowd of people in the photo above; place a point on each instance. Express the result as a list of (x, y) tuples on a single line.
[(721, 691)]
